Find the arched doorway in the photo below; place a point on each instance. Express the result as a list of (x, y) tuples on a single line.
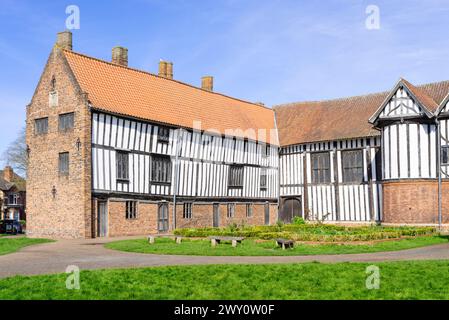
[(290, 208)]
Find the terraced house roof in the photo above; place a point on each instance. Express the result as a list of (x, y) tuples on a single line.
[(125, 91)]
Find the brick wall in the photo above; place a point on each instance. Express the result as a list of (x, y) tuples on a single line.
[(145, 223), (67, 213), (203, 215), (414, 202)]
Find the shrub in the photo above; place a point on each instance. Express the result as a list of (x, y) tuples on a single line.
[(298, 221)]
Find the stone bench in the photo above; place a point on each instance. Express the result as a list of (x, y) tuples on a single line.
[(285, 243), (152, 239), (234, 240)]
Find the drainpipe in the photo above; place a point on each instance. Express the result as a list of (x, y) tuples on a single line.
[(440, 217), (177, 171)]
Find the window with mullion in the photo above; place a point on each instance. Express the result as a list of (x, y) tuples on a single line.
[(321, 168), (64, 163), (352, 163), (122, 165), (236, 177), (161, 169)]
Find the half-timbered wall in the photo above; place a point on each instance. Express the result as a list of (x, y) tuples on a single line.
[(204, 161), (409, 151), (334, 201), (401, 105)]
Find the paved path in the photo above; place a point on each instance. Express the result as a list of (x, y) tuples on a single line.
[(90, 254)]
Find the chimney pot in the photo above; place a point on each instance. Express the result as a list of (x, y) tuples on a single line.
[(120, 56), (207, 83), (64, 40), (8, 174), (166, 69)]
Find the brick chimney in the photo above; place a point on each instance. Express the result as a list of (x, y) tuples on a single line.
[(8, 174), (207, 83), (166, 69), (120, 56), (64, 40)]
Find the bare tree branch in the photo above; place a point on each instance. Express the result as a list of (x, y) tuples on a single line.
[(16, 154)]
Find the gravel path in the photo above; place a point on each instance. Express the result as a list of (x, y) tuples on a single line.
[(90, 254)]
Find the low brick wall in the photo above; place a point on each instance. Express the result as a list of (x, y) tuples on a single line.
[(147, 217), (414, 202)]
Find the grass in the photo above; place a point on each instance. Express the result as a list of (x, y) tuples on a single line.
[(268, 248), (10, 245), (398, 280)]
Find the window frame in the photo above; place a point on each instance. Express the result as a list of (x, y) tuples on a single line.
[(63, 124), (230, 210), (238, 175), (64, 168), (445, 149), (249, 210), (122, 175), (264, 181), (131, 210), (322, 175), (266, 150), (36, 126), (155, 178), (163, 135), (15, 199), (348, 170), (187, 210)]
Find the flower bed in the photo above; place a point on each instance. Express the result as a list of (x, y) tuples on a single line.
[(311, 232)]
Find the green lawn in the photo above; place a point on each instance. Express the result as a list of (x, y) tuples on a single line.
[(10, 245), (250, 247), (398, 280)]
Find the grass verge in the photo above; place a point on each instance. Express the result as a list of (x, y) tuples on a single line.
[(251, 247), (398, 280), (10, 245)]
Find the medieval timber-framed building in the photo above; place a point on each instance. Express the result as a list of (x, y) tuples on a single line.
[(118, 151)]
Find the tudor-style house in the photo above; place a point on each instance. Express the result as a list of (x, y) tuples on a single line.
[(118, 151)]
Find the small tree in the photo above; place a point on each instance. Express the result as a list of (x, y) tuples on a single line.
[(16, 154)]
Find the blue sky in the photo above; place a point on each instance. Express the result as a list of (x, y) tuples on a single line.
[(274, 51)]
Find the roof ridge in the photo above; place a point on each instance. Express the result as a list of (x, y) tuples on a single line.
[(330, 100), (166, 79), (420, 87)]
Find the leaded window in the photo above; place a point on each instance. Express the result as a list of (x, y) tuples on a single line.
[(236, 177), (64, 163), (66, 121), (161, 169), (41, 126), (122, 159), (352, 162), (321, 168)]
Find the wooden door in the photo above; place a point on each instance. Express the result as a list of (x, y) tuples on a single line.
[(102, 219), (267, 214), (163, 217), (290, 208), (216, 217)]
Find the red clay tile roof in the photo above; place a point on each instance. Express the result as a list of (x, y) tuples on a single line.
[(129, 92), (345, 118), (422, 96)]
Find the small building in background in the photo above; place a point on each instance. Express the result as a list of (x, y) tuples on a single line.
[(12, 195)]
